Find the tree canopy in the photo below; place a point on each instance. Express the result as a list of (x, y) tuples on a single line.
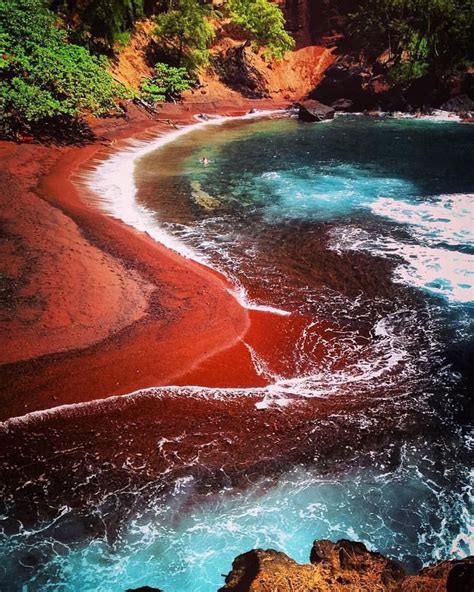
[(186, 28), (186, 32), (264, 22), (41, 75), (424, 36)]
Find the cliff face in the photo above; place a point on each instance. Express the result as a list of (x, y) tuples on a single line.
[(364, 82), (315, 22), (240, 70), (344, 566)]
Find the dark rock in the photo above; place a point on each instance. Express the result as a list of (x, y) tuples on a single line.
[(343, 105), (144, 589), (312, 110), (348, 80), (426, 91), (461, 577), (321, 551), (368, 84), (459, 104)]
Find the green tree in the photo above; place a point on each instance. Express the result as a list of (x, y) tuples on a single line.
[(167, 84), (105, 20), (186, 32), (264, 22), (41, 75), (424, 36)]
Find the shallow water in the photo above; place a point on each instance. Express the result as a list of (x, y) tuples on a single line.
[(362, 229)]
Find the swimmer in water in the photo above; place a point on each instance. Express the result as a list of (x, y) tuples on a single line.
[(204, 160)]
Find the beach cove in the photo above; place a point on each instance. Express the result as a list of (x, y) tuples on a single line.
[(219, 447)]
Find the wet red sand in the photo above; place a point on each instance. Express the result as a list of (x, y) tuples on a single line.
[(94, 308), (98, 309)]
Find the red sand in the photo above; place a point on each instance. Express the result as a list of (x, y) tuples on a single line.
[(93, 308)]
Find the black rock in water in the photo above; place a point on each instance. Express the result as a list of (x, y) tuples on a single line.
[(144, 589), (459, 104), (312, 110), (343, 105)]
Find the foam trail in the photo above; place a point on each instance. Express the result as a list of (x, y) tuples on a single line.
[(113, 183), (84, 408), (241, 296)]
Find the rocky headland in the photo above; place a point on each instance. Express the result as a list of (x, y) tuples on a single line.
[(345, 566)]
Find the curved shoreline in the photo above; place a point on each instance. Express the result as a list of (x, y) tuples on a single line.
[(189, 316), (113, 187)]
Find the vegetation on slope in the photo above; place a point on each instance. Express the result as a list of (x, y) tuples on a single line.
[(42, 76), (424, 37), (52, 62)]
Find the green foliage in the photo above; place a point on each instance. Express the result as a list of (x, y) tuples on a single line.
[(168, 83), (42, 76), (186, 32), (424, 36), (265, 24), (107, 20)]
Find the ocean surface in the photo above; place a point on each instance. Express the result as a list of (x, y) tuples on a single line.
[(361, 228)]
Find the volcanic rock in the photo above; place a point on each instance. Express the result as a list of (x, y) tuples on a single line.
[(344, 566), (312, 110), (459, 104), (343, 105), (144, 589)]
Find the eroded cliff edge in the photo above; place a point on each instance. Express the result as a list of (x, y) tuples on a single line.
[(345, 566)]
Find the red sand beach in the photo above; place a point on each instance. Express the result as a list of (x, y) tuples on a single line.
[(94, 308)]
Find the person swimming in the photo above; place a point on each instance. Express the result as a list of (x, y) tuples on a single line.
[(204, 160)]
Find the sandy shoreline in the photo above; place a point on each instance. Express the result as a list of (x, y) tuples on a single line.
[(96, 308)]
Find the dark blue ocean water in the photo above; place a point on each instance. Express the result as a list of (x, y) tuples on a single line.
[(363, 223)]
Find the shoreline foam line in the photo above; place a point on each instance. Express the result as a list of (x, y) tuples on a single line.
[(83, 408), (113, 184)]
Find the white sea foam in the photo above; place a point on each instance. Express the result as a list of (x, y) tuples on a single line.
[(436, 115), (446, 220), (241, 296), (114, 185)]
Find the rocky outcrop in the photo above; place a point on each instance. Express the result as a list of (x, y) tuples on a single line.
[(344, 566), (312, 110), (361, 78), (144, 589), (236, 69), (352, 85), (460, 104)]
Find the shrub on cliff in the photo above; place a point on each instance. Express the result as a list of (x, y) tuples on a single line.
[(167, 84), (264, 23), (41, 75), (186, 33)]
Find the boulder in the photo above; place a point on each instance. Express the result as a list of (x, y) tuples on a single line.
[(459, 104), (445, 576), (144, 589), (343, 105), (312, 110)]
